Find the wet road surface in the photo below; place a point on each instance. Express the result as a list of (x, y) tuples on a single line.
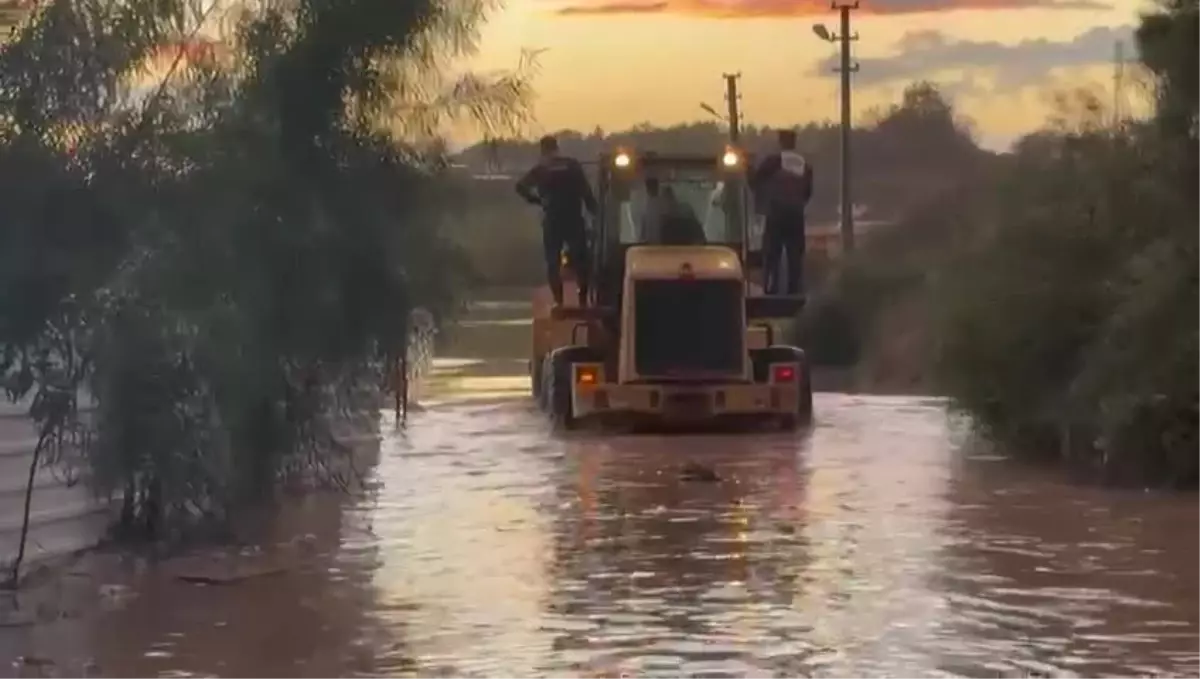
[(876, 544)]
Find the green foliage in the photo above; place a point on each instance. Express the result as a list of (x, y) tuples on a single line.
[(1139, 373), (1057, 284), (896, 262), (1075, 310), (227, 263), (1022, 302)]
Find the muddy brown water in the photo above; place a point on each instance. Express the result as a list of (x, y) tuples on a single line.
[(876, 544)]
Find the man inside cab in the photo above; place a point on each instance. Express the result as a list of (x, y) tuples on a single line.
[(558, 184), (783, 181), (667, 220)]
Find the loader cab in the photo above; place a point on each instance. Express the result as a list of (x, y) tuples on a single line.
[(674, 331), (707, 187), (712, 187)]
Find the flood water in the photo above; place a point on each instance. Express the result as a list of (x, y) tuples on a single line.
[(876, 544)]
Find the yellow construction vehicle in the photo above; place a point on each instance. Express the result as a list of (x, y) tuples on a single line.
[(670, 333)]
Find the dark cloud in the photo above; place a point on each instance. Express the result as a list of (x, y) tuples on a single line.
[(752, 9), (920, 53)]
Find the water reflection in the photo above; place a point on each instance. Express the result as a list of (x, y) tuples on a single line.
[(464, 527), (307, 619), (1046, 576), (873, 512), (656, 574)]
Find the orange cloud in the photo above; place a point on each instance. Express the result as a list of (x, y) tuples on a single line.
[(616, 8), (758, 9)]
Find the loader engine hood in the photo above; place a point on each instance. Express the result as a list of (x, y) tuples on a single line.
[(687, 307)]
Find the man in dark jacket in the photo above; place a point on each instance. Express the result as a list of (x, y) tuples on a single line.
[(783, 183), (558, 184)]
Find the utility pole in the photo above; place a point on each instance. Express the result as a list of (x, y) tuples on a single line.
[(1118, 84), (846, 69), (731, 98), (732, 197)]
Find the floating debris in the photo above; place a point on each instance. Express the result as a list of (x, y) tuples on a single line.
[(229, 571), (697, 472)]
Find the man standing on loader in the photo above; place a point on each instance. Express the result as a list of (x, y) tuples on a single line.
[(783, 183), (558, 184)]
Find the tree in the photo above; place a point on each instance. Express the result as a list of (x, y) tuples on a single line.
[(227, 262), (924, 130)]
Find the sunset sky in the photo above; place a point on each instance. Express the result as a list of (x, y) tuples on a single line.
[(615, 63)]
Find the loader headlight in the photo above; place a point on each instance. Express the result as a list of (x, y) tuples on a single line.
[(622, 159), (730, 159)]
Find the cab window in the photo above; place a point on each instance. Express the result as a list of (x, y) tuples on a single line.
[(702, 194)]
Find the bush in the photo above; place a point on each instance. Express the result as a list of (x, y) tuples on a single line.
[(1069, 326), (1139, 372), (839, 326)]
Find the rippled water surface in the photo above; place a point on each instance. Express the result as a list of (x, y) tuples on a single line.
[(872, 545)]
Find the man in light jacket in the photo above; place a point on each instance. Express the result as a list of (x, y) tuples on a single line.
[(783, 181)]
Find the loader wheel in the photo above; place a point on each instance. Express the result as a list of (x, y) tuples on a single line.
[(762, 360), (558, 385), (544, 376), (804, 414), (535, 380)]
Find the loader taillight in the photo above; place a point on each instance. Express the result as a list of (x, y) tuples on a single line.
[(587, 374), (784, 373)]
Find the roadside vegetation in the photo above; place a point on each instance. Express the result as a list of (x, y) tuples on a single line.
[(1068, 323), (1052, 294), (216, 220)]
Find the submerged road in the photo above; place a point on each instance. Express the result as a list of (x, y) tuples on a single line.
[(876, 544)]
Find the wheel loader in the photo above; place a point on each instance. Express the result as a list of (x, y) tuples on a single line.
[(678, 334)]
